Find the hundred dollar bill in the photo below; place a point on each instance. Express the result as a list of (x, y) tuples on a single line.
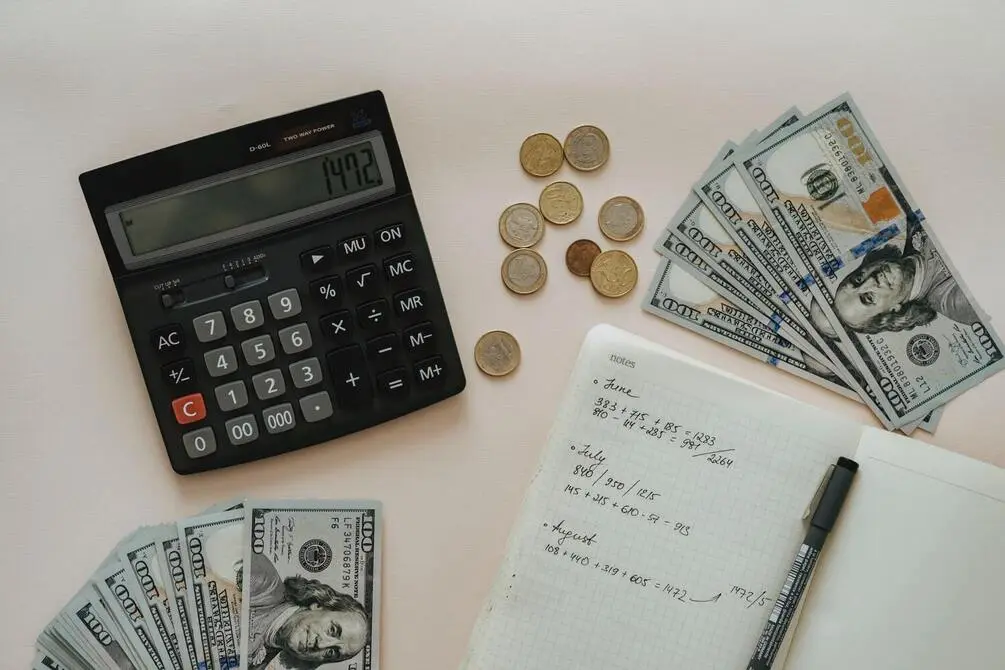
[(63, 645), (123, 596), (140, 555), (698, 234), (46, 660), (311, 585), (170, 555), (212, 568), (677, 296), (92, 619), (684, 255), (881, 283)]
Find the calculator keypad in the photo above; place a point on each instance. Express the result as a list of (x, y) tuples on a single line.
[(350, 334)]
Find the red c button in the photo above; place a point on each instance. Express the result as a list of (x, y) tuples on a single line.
[(189, 408)]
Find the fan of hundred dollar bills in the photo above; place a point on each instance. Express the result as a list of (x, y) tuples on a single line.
[(803, 248), (253, 585)]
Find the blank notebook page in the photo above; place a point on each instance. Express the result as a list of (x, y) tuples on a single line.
[(913, 576), (662, 521)]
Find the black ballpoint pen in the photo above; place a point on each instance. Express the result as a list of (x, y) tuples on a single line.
[(823, 520)]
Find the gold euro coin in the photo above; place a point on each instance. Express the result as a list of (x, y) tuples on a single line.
[(614, 273), (586, 148), (541, 155), (497, 353), (621, 218), (521, 225), (524, 271), (579, 257), (561, 202)]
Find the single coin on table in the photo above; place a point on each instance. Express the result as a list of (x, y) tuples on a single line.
[(586, 148), (579, 257), (521, 225), (621, 218), (561, 202), (614, 273), (524, 271), (497, 353), (541, 155)]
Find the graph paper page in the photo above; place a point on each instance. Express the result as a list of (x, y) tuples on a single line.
[(662, 520)]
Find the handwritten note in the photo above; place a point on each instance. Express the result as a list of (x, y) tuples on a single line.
[(662, 519)]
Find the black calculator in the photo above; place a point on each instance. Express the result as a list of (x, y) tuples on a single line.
[(276, 282)]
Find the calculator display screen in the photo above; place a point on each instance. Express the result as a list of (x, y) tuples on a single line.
[(238, 202), (257, 200)]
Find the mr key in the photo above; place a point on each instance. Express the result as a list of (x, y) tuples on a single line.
[(277, 283)]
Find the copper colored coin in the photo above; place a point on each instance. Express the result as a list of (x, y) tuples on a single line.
[(579, 257)]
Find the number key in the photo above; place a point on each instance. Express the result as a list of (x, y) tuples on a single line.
[(242, 429), (220, 361), (269, 384), (209, 327), (231, 396), (258, 350), (247, 315), (295, 338), (279, 419), (306, 373), (285, 304), (199, 443)]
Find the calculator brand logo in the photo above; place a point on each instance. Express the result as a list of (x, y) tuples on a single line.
[(360, 120), (315, 555)]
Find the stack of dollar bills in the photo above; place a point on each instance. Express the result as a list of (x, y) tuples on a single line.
[(803, 248), (247, 584)]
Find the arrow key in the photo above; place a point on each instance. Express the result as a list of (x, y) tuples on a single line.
[(318, 259), (362, 281)]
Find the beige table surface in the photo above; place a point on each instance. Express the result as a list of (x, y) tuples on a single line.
[(85, 84)]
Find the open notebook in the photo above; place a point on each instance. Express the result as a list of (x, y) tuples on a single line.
[(667, 508)]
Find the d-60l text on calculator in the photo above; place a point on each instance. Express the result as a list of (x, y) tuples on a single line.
[(276, 283)]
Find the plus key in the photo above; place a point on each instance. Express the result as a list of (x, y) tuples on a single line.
[(350, 376)]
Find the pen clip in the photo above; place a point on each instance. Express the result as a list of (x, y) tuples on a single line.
[(812, 506)]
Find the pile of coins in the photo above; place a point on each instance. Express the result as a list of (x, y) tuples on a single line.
[(612, 273)]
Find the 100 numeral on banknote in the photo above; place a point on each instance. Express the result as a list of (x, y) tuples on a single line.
[(310, 586), (881, 282)]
